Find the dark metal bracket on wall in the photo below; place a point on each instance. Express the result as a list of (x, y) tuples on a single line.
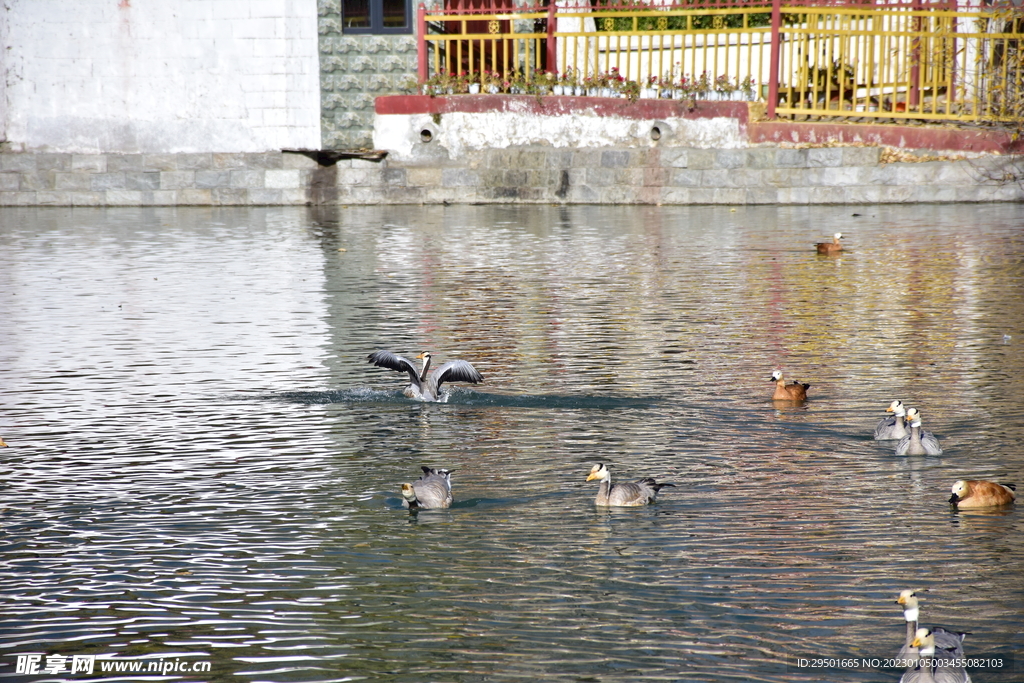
[(329, 157)]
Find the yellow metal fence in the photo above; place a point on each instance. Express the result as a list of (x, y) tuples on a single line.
[(894, 61)]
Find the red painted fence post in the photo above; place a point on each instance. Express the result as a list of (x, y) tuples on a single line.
[(552, 46), (773, 63), (421, 43)]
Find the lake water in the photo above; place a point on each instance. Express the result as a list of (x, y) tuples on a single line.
[(204, 468)]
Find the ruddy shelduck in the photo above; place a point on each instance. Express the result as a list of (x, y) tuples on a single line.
[(831, 247), (974, 493), (794, 391)]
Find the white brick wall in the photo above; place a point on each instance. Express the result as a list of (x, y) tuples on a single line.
[(159, 76)]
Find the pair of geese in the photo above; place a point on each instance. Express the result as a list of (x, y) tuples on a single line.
[(930, 652), (913, 441), (433, 490)]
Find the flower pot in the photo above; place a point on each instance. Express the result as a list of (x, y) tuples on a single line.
[(493, 89), (648, 93), (578, 91), (558, 90), (474, 88)]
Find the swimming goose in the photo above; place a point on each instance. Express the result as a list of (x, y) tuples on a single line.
[(426, 386), (2, 444), (830, 247), (889, 428), (908, 599), (945, 640), (932, 668), (917, 442), (641, 492), (974, 493), (432, 490), (788, 392)]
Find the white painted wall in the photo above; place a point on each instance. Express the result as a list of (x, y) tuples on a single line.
[(159, 76), (460, 134)]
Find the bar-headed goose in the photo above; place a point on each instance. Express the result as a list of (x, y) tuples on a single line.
[(889, 428), (432, 490), (425, 385), (640, 492), (795, 391), (934, 665), (945, 640), (917, 442), (974, 493)]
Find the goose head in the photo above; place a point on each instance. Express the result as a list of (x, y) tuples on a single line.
[(908, 599), (924, 640), (897, 408), (409, 493), (599, 471), (914, 417)]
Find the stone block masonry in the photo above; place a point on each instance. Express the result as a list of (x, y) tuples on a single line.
[(247, 179), (534, 174)]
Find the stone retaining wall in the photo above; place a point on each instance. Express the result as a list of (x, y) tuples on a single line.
[(272, 178), (755, 175)]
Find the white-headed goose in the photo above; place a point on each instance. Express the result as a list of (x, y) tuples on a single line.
[(933, 665), (795, 391), (640, 492), (974, 493), (889, 428), (432, 490), (425, 385), (917, 442)]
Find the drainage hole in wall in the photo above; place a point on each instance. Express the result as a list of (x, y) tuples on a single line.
[(655, 133), (426, 135)]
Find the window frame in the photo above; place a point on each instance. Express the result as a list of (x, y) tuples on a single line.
[(377, 27)]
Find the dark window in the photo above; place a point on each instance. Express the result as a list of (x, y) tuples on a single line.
[(376, 16)]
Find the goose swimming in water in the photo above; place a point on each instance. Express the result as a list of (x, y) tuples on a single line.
[(889, 428), (917, 442), (640, 492), (934, 667), (432, 490), (970, 494), (794, 391), (426, 386), (945, 640), (830, 247)]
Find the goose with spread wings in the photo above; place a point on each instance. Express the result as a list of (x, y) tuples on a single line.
[(425, 385)]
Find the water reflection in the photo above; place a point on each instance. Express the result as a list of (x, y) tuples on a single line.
[(204, 466)]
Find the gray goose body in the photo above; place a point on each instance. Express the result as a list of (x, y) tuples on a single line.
[(889, 428), (431, 491), (423, 384), (918, 441), (629, 494), (929, 670)]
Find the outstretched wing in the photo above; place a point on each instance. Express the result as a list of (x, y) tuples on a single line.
[(457, 371), (392, 361)]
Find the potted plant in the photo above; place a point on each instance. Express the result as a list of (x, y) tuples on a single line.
[(490, 82), (721, 89), (630, 89), (650, 87), (748, 87)]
